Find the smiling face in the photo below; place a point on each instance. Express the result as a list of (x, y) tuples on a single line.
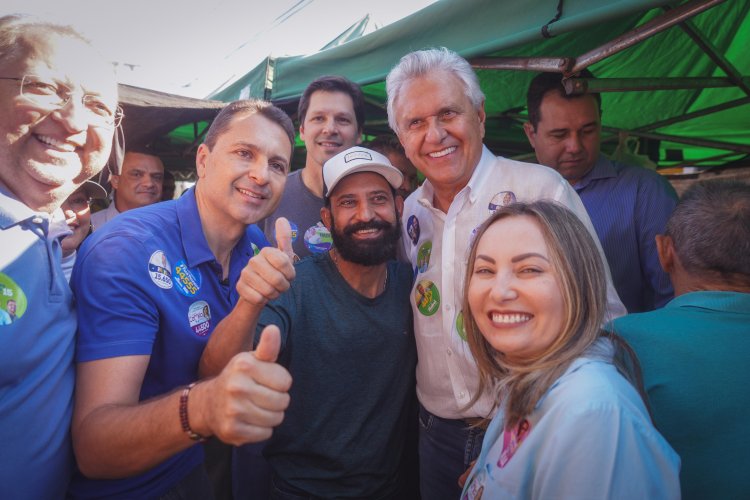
[(364, 218), (242, 178), (45, 154), (568, 134), (440, 129), (140, 181), (78, 217), (330, 126), (514, 293)]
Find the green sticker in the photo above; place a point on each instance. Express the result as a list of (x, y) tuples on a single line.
[(427, 297), (12, 300), (255, 248), (460, 326), (423, 256)]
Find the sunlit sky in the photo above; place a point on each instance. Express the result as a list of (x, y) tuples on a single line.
[(193, 47)]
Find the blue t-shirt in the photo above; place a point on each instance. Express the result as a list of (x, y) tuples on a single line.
[(147, 283), (36, 355)]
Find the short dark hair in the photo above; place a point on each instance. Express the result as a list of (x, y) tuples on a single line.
[(249, 107), (710, 228), (331, 83), (548, 82), (386, 143)]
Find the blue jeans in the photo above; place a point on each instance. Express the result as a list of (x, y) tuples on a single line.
[(446, 448)]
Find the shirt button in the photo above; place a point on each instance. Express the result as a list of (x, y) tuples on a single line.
[(448, 307), (461, 395), (450, 353), (37, 220)]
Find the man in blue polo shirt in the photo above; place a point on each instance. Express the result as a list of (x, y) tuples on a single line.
[(58, 114), (628, 205), (152, 285)]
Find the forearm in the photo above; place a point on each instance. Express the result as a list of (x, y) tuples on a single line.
[(115, 441), (233, 334)]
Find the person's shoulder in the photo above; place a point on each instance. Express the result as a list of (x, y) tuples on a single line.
[(531, 171), (645, 177)]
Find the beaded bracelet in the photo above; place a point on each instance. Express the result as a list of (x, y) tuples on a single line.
[(184, 415)]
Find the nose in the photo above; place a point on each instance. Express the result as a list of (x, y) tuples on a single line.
[(73, 115), (260, 173), (330, 126), (435, 131), (573, 143), (365, 212), (503, 288)]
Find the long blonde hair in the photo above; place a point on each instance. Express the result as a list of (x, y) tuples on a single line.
[(581, 276)]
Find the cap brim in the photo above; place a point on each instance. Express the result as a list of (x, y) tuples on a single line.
[(94, 190)]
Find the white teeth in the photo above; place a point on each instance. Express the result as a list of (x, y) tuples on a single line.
[(510, 318), (61, 145), (367, 231), (444, 152), (249, 193)]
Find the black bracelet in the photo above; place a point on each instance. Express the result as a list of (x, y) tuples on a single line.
[(184, 415)]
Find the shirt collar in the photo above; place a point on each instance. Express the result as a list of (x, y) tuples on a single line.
[(603, 169), (718, 300), (194, 244), (13, 212)]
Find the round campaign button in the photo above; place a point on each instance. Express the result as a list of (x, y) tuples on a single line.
[(501, 199), (187, 281), (423, 256), (318, 238), (199, 316), (460, 326), (159, 270), (427, 297), (412, 229), (12, 300)]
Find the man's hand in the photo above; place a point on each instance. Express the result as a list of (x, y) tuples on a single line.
[(248, 398), (268, 274)]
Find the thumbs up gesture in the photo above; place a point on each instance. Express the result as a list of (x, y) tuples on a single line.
[(269, 274)]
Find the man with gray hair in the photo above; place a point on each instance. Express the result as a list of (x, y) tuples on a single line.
[(694, 351), (58, 114), (436, 108)]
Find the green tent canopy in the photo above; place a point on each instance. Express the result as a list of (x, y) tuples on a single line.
[(683, 91)]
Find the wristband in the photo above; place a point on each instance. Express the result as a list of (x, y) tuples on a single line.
[(184, 415)]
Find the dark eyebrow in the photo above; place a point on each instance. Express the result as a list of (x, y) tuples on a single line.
[(524, 256), (485, 257)]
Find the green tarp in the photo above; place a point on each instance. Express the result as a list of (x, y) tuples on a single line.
[(513, 28)]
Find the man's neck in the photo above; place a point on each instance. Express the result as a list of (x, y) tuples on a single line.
[(312, 178), (369, 281), (222, 234), (684, 283)]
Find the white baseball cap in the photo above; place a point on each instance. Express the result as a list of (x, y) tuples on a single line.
[(358, 159)]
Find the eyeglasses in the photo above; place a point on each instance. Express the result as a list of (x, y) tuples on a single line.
[(50, 95)]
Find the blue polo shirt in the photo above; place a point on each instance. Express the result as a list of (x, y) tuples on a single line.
[(36, 354), (148, 283), (628, 206)]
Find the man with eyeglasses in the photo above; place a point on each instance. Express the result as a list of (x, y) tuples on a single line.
[(58, 113)]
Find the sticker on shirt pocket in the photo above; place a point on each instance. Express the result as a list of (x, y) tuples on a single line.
[(199, 316), (187, 281), (501, 199), (12, 300), (512, 439), (159, 270), (423, 256), (318, 238), (412, 229), (427, 297)]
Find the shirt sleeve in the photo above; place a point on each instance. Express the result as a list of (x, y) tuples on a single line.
[(117, 314), (606, 452)]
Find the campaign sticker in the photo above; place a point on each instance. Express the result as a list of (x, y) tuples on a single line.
[(475, 489), (255, 248), (412, 229), (423, 256), (460, 326), (199, 316), (12, 300), (427, 297), (318, 238), (187, 281), (501, 199), (158, 268), (512, 439)]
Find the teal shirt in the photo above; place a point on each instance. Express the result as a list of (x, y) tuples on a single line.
[(694, 354)]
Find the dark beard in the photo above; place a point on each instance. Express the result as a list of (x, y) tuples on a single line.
[(371, 252)]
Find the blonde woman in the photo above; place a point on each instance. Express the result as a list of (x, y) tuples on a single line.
[(569, 424)]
